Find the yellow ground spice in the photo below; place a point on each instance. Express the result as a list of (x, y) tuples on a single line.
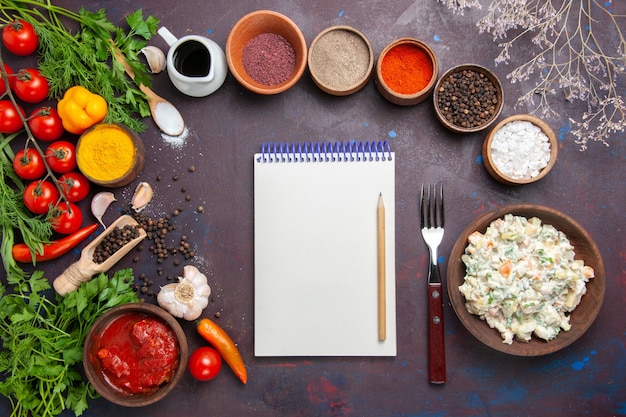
[(106, 153)]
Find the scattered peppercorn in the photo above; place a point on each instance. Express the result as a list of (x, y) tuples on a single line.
[(192, 168)]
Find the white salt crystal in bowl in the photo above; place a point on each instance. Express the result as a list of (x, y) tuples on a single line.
[(521, 149)]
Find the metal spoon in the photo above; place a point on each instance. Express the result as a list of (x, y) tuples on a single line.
[(165, 115)]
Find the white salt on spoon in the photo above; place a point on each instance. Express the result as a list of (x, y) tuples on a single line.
[(165, 115)]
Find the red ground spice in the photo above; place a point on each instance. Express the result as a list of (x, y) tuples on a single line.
[(406, 69), (269, 59)]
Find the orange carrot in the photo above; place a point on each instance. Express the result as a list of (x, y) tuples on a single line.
[(506, 267), (220, 340)]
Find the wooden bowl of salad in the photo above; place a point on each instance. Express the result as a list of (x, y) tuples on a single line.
[(523, 304)]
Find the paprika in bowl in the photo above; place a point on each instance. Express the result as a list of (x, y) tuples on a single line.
[(406, 71), (147, 343), (110, 155)]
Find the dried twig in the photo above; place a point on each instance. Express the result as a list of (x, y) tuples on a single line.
[(581, 54)]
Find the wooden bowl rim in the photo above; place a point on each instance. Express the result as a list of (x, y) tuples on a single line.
[(135, 400), (235, 67), (357, 85), (133, 172), (493, 169), (406, 99), (585, 249), (492, 77)]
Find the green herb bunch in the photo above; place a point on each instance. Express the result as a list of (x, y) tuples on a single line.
[(42, 342), (84, 56), (14, 216)]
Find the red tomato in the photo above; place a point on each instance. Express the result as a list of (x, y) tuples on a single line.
[(66, 218), (3, 87), (10, 120), (61, 156), (20, 38), (28, 164), (40, 195), (31, 86), (46, 124), (74, 186), (204, 363)]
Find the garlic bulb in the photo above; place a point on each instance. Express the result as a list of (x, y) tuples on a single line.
[(155, 58), (188, 297)]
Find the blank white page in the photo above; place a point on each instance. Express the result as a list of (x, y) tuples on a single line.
[(315, 241)]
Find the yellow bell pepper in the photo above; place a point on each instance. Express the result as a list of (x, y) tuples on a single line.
[(80, 109)]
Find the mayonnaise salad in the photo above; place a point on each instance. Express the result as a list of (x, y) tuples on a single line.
[(522, 278)]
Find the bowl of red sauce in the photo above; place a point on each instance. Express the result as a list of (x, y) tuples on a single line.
[(135, 354)]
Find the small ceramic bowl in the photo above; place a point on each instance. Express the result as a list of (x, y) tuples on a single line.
[(257, 23), (341, 60), (385, 83), (93, 364), (455, 100), (500, 173), (110, 155)]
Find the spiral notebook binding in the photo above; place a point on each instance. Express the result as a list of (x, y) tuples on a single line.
[(347, 151)]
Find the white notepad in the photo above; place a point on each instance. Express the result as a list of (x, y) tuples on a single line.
[(315, 248)]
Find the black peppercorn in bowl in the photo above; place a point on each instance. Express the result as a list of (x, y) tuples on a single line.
[(468, 98)]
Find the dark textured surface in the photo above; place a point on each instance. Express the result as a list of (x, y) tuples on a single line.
[(227, 127)]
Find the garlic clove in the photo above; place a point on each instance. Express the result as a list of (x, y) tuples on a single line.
[(155, 58), (99, 204), (142, 196)]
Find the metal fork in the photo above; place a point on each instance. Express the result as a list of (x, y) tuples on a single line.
[(431, 221)]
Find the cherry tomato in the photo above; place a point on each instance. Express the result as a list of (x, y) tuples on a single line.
[(61, 156), (204, 363), (28, 164), (40, 195), (74, 186), (10, 120), (20, 38), (31, 86), (46, 124), (3, 87), (66, 218)]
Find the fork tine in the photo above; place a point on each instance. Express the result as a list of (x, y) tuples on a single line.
[(422, 224), (432, 206), (440, 211), (432, 216)]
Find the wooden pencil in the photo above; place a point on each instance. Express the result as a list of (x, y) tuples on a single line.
[(382, 304)]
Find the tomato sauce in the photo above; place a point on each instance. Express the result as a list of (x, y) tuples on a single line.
[(136, 353)]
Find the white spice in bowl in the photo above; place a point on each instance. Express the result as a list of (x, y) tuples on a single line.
[(519, 150)]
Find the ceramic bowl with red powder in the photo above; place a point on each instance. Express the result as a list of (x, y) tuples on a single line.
[(266, 52), (406, 71), (135, 354)]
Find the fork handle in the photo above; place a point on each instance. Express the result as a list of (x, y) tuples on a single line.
[(436, 346)]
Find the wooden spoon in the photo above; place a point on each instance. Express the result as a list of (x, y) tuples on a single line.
[(165, 115), (85, 268)]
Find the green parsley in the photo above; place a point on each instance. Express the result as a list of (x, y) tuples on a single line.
[(85, 57), (42, 342)]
